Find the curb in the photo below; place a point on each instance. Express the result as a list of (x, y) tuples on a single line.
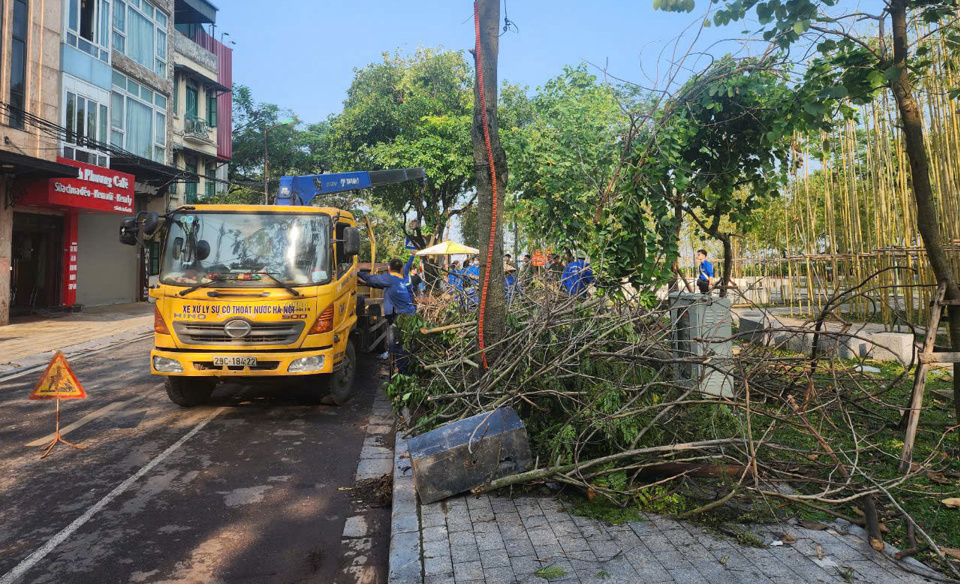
[(40, 360), (405, 544)]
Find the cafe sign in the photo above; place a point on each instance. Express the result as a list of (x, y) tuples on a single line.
[(94, 188)]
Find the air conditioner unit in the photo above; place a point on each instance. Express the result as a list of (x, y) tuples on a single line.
[(701, 328)]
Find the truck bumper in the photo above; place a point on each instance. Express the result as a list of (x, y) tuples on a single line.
[(201, 364)]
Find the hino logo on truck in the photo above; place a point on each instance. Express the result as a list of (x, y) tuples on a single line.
[(237, 329)]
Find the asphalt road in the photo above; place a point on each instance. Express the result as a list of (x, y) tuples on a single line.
[(252, 488)]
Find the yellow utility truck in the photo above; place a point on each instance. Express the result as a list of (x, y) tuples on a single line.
[(250, 292)]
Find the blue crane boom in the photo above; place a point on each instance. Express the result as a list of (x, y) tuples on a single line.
[(301, 190)]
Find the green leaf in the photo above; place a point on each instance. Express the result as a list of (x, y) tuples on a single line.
[(892, 73), (814, 108)]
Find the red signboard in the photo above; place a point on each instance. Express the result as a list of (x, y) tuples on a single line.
[(95, 188)]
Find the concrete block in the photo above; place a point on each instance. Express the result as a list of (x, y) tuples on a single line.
[(754, 327), (795, 341), (839, 345), (891, 347), (466, 454)]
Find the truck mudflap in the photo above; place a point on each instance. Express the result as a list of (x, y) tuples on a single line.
[(242, 363)]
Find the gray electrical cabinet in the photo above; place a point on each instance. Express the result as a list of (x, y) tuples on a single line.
[(701, 329)]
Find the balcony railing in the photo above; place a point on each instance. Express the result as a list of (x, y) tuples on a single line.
[(198, 127)]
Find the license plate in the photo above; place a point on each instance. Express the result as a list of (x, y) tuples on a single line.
[(234, 361)]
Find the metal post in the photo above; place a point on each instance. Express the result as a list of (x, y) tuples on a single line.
[(266, 169)]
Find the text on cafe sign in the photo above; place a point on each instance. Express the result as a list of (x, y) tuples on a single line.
[(94, 188)]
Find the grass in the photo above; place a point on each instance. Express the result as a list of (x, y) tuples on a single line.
[(919, 496), (603, 509), (550, 573)]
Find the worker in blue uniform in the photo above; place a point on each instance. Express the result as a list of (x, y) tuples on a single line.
[(510, 281), (577, 277), (397, 298), (471, 283)]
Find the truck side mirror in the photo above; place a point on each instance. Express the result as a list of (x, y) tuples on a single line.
[(151, 222), (128, 231), (203, 249), (351, 241)]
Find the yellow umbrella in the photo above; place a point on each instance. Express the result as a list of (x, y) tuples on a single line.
[(447, 248)]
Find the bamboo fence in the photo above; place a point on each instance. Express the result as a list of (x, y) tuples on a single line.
[(849, 209)]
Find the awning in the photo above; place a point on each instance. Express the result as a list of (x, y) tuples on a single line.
[(150, 172), (185, 148), (29, 167), (194, 11), (210, 82)]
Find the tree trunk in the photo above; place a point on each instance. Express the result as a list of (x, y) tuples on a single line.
[(495, 312), (727, 263), (928, 221), (678, 283)]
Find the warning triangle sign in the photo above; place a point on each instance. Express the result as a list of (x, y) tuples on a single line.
[(58, 380)]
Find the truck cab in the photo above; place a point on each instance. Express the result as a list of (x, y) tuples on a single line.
[(253, 291)]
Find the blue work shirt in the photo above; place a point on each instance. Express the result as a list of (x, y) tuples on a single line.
[(455, 280), (706, 271), (510, 283), (474, 273), (397, 299), (577, 277)]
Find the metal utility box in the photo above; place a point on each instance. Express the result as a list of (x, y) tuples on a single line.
[(469, 453), (701, 327)]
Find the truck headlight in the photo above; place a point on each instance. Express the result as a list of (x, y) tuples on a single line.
[(304, 364), (164, 365)]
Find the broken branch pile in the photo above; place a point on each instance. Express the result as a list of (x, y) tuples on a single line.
[(600, 384)]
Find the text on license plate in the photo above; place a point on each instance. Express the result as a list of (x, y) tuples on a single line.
[(234, 361)]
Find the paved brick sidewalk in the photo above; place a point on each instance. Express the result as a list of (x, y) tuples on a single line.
[(34, 339), (493, 540)]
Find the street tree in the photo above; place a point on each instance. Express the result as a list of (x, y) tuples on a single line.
[(287, 156), (564, 145), (490, 162), (723, 148), (410, 111)]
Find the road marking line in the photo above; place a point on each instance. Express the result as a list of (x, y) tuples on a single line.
[(31, 560), (89, 418)]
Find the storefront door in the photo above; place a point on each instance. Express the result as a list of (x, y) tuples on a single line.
[(36, 272)]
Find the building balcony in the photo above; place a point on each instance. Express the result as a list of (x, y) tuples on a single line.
[(197, 129)]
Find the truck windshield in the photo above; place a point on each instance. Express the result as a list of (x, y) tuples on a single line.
[(246, 249)]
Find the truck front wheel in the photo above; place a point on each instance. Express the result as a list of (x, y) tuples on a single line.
[(189, 391), (340, 383)]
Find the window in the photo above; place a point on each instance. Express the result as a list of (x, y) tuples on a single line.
[(86, 123), (120, 27), (140, 32), (211, 109), (88, 27), (18, 64), (193, 102), (210, 188), (138, 120), (190, 188)]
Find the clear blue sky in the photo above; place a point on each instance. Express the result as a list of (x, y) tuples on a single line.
[(300, 54)]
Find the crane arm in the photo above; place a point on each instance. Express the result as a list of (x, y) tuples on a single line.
[(301, 190)]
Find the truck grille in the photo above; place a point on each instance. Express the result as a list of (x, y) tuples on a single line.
[(261, 333)]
